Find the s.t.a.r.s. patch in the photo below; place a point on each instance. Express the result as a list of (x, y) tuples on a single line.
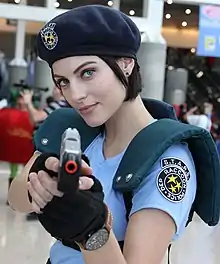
[(177, 162)]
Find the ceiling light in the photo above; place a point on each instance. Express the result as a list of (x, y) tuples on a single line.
[(70, 0), (184, 23), (17, 1), (188, 11), (110, 3), (193, 50), (168, 16), (56, 4), (169, 2), (199, 74), (132, 12)]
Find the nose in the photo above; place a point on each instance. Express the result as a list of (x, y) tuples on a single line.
[(78, 92)]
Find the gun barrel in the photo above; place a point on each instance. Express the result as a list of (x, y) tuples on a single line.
[(70, 161)]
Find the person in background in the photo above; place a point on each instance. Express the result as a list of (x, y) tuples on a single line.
[(49, 100), (182, 113), (208, 108), (37, 116), (196, 116), (20, 104)]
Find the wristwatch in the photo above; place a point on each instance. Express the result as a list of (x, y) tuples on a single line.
[(99, 238)]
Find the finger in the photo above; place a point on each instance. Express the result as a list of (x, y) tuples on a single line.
[(32, 174), (38, 187), (36, 197), (36, 208), (52, 163), (85, 183), (86, 170), (49, 184)]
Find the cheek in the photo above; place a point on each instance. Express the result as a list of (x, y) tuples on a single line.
[(114, 94), (108, 88), (67, 95)]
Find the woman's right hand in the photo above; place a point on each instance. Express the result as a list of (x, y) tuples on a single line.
[(66, 215), (42, 187)]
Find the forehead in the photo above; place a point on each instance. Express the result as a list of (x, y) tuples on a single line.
[(69, 64)]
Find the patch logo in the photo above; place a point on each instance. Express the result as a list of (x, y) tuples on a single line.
[(172, 183), (49, 36), (174, 161)]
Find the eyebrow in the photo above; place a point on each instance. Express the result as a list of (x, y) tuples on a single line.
[(78, 68)]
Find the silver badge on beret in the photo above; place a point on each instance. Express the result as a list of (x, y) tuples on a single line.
[(49, 36)]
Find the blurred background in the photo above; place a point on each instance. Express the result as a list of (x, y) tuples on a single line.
[(180, 64)]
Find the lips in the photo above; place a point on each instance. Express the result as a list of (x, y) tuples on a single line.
[(87, 109)]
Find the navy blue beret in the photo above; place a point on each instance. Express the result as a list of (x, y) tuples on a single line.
[(88, 30)]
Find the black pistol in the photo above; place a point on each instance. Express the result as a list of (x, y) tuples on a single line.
[(70, 161)]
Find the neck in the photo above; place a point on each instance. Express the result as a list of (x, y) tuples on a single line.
[(130, 119)]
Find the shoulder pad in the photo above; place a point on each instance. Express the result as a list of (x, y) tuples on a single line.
[(139, 158), (48, 137)]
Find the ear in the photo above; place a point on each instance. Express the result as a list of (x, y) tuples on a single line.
[(126, 65)]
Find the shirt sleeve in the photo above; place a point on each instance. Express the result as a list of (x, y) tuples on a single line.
[(170, 186)]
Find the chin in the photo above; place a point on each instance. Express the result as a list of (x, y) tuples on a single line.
[(94, 122)]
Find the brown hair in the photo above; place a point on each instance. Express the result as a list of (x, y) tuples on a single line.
[(132, 84)]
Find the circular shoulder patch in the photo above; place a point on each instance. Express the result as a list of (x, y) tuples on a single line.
[(172, 183)]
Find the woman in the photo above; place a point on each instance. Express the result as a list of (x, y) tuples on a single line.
[(92, 54)]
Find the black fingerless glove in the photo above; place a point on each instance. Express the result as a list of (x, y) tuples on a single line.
[(39, 164), (75, 215)]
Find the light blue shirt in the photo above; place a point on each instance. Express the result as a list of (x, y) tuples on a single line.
[(154, 192)]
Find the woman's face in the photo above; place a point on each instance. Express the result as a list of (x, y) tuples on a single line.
[(90, 86)]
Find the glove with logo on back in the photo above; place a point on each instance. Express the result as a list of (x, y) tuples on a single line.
[(75, 215)]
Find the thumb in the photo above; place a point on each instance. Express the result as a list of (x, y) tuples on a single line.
[(85, 169), (85, 183)]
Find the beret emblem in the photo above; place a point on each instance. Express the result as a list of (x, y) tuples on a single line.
[(49, 36)]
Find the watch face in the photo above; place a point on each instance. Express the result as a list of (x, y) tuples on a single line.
[(97, 240)]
